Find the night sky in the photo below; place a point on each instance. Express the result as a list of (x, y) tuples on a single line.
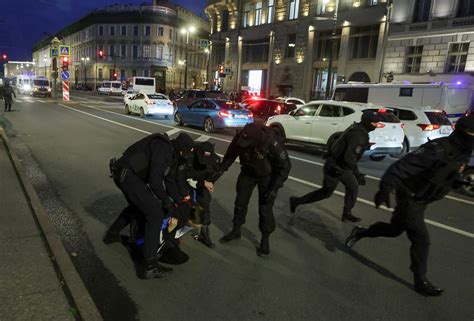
[(24, 22)]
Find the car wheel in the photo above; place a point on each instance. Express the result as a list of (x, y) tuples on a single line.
[(208, 125), (178, 119), (127, 110), (377, 158), (142, 113), (405, 148), (468, 175)]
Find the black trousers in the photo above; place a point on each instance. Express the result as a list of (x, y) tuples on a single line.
[(8, 104), (408, 216), (245, 186), (142, 203), (204, 198), (347, 178)]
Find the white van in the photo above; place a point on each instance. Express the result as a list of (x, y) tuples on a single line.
[(142, 84), (110, 87), (23, 84), (452, 98), (40, 87)]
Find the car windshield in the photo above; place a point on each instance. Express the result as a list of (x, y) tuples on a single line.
[(155, 96), (437, 118), (117, 85), (215, 95), (39, 82), (229, 105), (387, 115)]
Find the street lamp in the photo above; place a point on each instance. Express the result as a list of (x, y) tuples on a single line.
[(181, 63), (84, 61), (45, 60), (187, 31), (208, 52)]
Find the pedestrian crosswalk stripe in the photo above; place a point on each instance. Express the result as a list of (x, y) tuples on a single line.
[(203, 138), (172, 132)]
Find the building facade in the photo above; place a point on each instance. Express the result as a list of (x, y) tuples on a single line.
[(284, 47), (145, 40), (431, 41)]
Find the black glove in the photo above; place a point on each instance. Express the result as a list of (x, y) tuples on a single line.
[(360, 179), (270, 196), (382, 197)]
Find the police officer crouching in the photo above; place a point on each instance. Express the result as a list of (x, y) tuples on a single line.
[(418, 179), (142, 174), (341, 166), (264, 163)]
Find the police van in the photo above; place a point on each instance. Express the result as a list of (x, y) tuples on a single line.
[(40, 87), (23, 84), (110, 87), (454, 99)]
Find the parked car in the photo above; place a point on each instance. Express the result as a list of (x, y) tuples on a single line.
[(422, 125), (291, 100), (468, 175), (262, 108), (128, 94), (212, 114), (190, 96), (150, 104), (322, 122)]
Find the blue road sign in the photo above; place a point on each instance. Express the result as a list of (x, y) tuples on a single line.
[(65, 75), (54, 52), (64, 50)]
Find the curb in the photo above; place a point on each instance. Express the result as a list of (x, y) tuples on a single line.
[(72, 284)]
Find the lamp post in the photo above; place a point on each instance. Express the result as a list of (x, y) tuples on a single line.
[(187, 31), (333, 48), (44, 61), (84, 68), (208, 52), (181, 63)]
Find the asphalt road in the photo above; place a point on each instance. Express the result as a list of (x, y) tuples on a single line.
[(310, 275)]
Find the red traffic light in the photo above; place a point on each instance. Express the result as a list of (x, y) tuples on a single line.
[(101, 53), (65, 60), (4, 56), (115, 74)]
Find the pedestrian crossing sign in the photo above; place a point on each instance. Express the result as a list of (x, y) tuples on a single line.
[(54, 52), (64, 50)]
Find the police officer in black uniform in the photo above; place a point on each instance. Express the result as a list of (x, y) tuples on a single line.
[(142, 174), (341, 166), (265, 164), (420, 178), (7, 93)]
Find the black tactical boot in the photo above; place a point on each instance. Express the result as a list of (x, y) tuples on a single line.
[(235, 234), (264, 248), (150, 269), (205, 237), (355, 236), (424, 287), (349, 217), (111, 237), (293, 204)]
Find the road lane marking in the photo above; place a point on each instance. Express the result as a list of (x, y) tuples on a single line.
[(202, 138), (228, 141), (172, 132), (41, 101)]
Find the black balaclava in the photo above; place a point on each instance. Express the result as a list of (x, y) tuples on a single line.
[(460, 137), (369, 117), (184, 145)]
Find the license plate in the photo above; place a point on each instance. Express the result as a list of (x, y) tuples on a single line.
[(240, 116), (445, 130)]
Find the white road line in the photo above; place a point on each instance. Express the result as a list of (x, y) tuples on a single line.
[(202, 138), (228, 141), (172, 131), (41, 101)]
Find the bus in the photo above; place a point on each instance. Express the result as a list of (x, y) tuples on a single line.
[(455, 99), (142, 84)]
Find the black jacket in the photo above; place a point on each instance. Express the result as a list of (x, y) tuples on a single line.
[(270, 158), (154, 159), (428, 173), (348, 149)]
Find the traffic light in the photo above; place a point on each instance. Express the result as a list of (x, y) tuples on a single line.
[(101, 54), (65, 63), (221, 71), (115, 76), (4, 57)]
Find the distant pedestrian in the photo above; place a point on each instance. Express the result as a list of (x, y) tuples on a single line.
[(7, 93)]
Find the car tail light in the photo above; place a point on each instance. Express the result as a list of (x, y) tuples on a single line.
[(223, 114), (379, 125), (428, 127), (250, 115), (278, 109), (382, 110)]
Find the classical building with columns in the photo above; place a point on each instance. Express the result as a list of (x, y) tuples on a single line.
[(136, 40), (283, 47), (431, 41)]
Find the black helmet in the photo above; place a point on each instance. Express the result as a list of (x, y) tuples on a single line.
[(371, 116), (251, 135), (184, 144)]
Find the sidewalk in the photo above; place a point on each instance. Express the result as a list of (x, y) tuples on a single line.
[(30, 286)]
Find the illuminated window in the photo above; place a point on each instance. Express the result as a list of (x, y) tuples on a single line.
[(146, 51), (270, 11), (294, 9), (457, 57), (258, 13), (413, 59)]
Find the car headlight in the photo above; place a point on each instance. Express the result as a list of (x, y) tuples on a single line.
[(36, 89), (49, 89)]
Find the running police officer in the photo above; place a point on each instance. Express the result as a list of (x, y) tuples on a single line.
[(265, 164), (141, 174), (420, 178), (341, 166), (7, 93)]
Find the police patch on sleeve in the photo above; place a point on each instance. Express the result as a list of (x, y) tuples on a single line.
[(283, 155), (358, 149)]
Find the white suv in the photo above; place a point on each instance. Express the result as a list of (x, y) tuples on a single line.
[(320, 122), (422, 125)]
